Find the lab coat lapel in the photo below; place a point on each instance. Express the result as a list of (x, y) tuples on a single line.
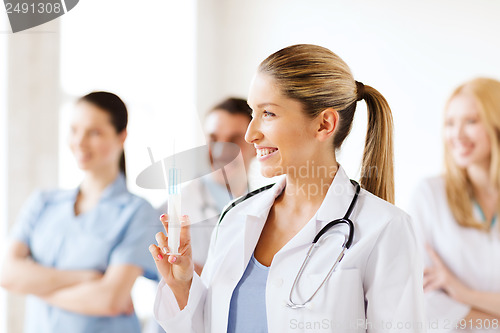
[(253, 213), (255, 218), (334, 206)]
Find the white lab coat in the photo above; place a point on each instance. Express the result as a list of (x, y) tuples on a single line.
[(472, 255), (376, 286)]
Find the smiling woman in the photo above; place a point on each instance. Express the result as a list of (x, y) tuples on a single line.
[(466, 135), (456, 214), (97, 138), (283, 139), (472, 147), (303, 99), (77, 253)]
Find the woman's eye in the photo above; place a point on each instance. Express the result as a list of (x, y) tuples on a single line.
[(94, 132), (268, 114), (471, 121)]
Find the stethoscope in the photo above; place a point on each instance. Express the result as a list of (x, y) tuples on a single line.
[(315, 245)]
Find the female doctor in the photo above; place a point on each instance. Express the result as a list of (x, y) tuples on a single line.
[(303, 99), (456, 214)]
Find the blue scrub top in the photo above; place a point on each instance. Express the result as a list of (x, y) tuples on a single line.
[(117, 231), (247, 311)]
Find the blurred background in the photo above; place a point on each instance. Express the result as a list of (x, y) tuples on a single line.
[(172, 60)]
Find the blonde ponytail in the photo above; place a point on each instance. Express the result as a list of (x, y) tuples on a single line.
[(320, 79), (377, 169)]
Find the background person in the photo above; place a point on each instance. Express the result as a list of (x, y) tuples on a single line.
[(456, 213), (204, 198), (77, 253), (303, 99)]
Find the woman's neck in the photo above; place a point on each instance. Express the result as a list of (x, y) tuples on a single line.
[(484, 191), (307, 188), (480, 179), (96, 181)]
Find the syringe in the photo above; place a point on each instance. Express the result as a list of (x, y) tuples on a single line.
[(173, 181), (174, 210)]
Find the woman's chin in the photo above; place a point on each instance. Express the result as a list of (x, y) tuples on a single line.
[(462, 162), (84, 166)]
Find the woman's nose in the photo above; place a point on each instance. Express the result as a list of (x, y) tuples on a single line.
[(460, 131), (77, 140), (253, 133)]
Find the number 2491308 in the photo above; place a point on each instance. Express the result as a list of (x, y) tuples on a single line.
[(33, 8)]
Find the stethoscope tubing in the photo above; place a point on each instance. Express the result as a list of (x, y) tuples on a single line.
[(315, 244)]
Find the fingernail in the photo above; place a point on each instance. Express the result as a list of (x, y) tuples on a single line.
[(174, 259), (165, 250), (184, 216), (162, 216), (160, 256)]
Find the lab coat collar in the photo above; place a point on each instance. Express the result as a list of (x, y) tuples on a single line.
[(256, 209), (260, 208), (334, 206), (254, 212), (337, 199), (339, 194)]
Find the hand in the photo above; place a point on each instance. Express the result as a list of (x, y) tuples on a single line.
[(438, 276), (176, 270)]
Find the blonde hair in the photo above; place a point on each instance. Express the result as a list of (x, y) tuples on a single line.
[(486, 93), (319, 79)]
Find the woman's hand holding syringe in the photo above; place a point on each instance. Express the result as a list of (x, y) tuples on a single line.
[(176, 269)]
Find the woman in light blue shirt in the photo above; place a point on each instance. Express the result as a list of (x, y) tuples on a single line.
[(77, 253)]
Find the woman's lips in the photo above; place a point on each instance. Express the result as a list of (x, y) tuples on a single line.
[(265, 152)]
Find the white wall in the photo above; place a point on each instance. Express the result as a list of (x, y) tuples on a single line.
[(32, 96), (3, 157), (413, 52), (146, 55)]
